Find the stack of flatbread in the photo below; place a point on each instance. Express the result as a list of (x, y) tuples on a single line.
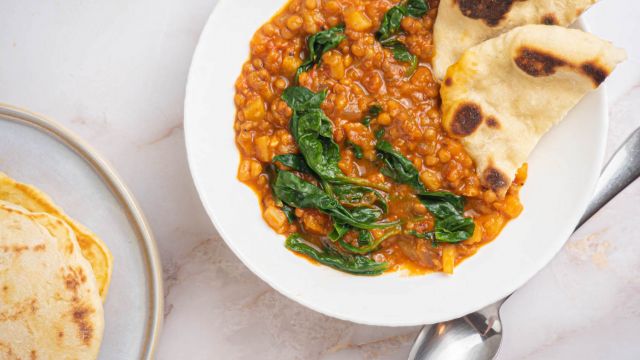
[(54, 275), (510, 70)]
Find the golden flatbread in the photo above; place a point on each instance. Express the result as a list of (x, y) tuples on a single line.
[(461, 24), (504, 94), (93, 249), (50, 306)]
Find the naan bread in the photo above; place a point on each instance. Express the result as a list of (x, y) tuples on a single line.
[(50, 306), (461, 24), (92, 247), (504, 94)]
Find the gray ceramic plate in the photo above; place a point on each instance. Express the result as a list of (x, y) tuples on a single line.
[(38, 151)]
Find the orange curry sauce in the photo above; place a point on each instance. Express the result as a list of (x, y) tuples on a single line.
[(357, 74)]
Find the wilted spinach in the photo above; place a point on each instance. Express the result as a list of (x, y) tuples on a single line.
[(313, 132), (353, 264), (397, 167), (318, 44), (372, 113), (293, 161), (390, 28), (373, 244), (447, 208), (357, 150), (402, 53), (299, 193), (451, 225), (359, 196), (288, 211)]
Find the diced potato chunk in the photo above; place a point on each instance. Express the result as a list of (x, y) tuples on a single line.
[(357, 20), (275, 218), (263, 151), (448, 258), (290, 65), (254, 110)]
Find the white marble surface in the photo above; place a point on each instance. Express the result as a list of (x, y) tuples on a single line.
[(114, 72)]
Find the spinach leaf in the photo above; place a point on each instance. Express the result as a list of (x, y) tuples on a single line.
[(366, 214), (301, 99), (293, 161), (392, 19), (339, 230), (318, 44), (401, 53), (313, 132), (352, 264), (289, 212), (357, 150), (373, 245), (447, 208), (397, 167), (374, 111), (359, 196), (390, 28), (299, 193), (365, 238), (391, 22), (417, 8), (451, 225), (427, 235), (443, 196)]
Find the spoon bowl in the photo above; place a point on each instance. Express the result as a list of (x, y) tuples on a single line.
[(476, 336)]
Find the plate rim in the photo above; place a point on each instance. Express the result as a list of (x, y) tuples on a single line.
[(603, 116), (121, 192)]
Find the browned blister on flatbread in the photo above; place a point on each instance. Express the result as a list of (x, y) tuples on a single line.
[(462, 24), (504, 94)]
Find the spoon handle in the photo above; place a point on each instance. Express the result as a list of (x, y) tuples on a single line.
[(622, 170)]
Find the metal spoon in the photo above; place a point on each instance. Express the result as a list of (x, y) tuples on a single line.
[(477, 336)]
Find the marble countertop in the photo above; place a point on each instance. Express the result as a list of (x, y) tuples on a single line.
[(115, 71)]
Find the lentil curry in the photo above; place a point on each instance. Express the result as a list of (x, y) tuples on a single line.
[(339, 129)]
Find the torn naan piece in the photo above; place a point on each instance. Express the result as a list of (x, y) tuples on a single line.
[(93, 249), (50, 305), (504, 94), (462, 24)]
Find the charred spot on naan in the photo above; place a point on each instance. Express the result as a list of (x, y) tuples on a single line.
[(73, 278), (595, 72), (489, 11), (81, 315), (466, 119), (493, 123), (448, 81), (549, 19), (537, 63), (495, 179)]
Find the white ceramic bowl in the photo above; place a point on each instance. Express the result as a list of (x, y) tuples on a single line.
[(562, 174)]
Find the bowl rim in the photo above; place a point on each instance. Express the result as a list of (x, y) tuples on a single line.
[(189, 128)]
